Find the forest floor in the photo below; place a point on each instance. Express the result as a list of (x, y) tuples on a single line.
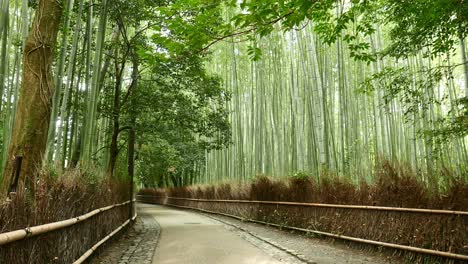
[(165, 235)]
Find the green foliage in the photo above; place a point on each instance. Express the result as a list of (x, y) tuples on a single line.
[(400, 84), (432, 24), (180, 109), (302, 175), (432, 28), (260, 18), (452, 127), (32, 3), (185, 27), (182, 112), (182, 115), (254, 52)]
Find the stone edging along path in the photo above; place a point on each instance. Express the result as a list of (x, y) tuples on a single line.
[(137, 245)]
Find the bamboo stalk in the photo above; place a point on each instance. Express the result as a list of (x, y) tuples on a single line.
[(9, 237), (354, 239), (341, 206)]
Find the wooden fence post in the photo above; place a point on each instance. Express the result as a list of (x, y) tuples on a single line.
[(15, 173)]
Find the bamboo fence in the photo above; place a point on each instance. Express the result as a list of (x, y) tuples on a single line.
[(349, 238), (9, 237)]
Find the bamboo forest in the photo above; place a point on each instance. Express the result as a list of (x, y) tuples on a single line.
[(343, 119)]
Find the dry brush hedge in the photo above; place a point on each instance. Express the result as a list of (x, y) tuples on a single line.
[(55, 200), (442, 232)]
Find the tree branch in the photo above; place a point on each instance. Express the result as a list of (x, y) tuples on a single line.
[(251, 29)]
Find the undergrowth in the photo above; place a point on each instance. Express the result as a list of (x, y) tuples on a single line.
[(72, 194)]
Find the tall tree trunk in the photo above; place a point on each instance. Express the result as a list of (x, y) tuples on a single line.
[(64, 109), (114, 148), (132, 133), (91, 122), (4, 28), (77, 150), (58, 82), (29, 135), (464, 61)]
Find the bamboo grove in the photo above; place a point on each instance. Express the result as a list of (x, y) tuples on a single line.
[(108, 101), (308, 106), (184, 92)]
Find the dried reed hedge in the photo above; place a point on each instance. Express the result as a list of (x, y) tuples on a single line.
[(392, 187), (59, 199)]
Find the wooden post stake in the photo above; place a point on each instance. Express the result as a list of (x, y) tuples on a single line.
[(15, 175)]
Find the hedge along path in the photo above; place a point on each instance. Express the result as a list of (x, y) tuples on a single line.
[(9, 237), (349, 238)]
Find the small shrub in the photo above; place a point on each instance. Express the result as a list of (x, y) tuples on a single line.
[(265, 189), (302, 175)]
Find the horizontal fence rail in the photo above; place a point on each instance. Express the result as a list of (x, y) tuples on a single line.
[(9, 237), (341, 206), (13, 236), (351, 207), (88, 253)]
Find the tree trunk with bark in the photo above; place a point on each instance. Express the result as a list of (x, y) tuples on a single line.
[(114, 148), (29, 135)]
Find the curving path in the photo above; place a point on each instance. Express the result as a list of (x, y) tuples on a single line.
[(187, 237), (165, 235)]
